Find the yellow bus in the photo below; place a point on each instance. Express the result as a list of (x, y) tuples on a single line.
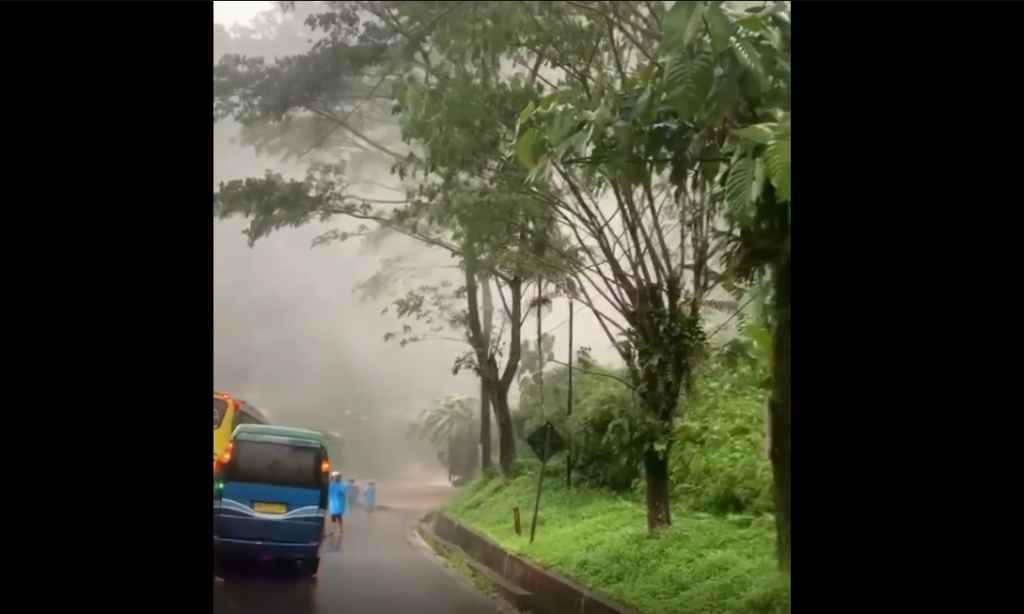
[(229, 412)]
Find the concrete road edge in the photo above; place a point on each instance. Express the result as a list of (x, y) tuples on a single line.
[(417, 542)]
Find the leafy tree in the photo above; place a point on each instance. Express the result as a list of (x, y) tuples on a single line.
[(756, 183), (707, 108), (457, 195), (648, 246)]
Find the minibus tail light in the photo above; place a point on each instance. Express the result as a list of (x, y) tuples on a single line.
[(226, 456)]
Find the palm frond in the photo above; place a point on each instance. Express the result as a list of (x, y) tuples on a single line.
[(446, 420)]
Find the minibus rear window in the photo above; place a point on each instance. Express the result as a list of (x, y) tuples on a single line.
[(264, 462), (220, 409)]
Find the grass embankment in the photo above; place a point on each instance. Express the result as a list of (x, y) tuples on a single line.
[(701, 565), (456, 562)]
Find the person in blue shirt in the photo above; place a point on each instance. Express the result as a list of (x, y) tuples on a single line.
[(370, 495), (337, 495)]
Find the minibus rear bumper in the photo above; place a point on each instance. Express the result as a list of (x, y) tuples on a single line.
[(265, 550)]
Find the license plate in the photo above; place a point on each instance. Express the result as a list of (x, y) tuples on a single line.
[(270, 508)]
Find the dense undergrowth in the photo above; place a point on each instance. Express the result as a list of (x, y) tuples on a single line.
[(719, 555), (717, 462)]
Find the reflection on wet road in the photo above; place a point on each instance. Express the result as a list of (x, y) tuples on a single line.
[(372, 570)]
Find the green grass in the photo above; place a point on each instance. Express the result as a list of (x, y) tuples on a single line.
[(701, 565)]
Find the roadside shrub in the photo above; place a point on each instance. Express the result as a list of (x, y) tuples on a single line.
[(717, 461), (603, 428), (717, 464)]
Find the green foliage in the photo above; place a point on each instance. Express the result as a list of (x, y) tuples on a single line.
[(460, 195), (705, 109), (715, 68), (717, 461), (448, 418), (750, 352), (606, 429), (451, 426), (701, 565)]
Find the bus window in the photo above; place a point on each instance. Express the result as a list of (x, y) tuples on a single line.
[(244, 417), (220, 410), (274, 463)]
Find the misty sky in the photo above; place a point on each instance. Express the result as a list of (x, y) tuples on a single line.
[(228, 13), (289, 334)]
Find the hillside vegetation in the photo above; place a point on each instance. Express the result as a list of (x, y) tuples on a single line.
[(717, 455), (718, 557)]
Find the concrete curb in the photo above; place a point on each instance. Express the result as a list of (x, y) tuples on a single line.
[(418, 543)]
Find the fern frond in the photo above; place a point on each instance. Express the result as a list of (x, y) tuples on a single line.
[(748, 57), (737, 188), (680, 24), (689, 81), (778, 159)]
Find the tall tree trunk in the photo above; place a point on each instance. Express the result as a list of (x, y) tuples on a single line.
[(781, 416), (506, 435), (502, 411), (498, 383), (659, 364), (485, 426), (659, 511), (485, 392)]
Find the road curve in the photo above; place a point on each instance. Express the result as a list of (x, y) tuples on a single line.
[(373, 570)]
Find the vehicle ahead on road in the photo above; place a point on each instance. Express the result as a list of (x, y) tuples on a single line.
[(228, 413), (270, 497)]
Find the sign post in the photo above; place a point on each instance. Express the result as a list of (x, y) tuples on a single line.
[(568, 407), (545, 442)]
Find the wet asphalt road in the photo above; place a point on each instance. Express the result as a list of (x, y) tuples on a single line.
[(372, 569)]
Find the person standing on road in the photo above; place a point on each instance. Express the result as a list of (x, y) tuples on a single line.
[(353, 493), (370, 496), (336, 499)]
